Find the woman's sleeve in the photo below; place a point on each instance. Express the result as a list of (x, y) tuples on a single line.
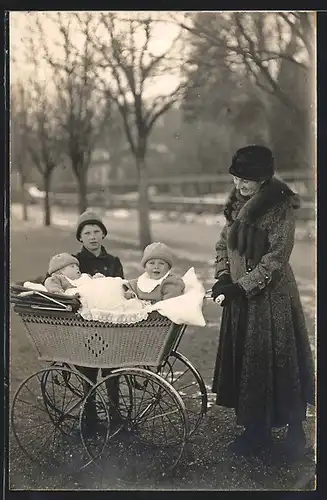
[(119, 271), (281, 241), (221, 260)]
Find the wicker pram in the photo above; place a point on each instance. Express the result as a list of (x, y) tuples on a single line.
[(162, 397), (59, 333)]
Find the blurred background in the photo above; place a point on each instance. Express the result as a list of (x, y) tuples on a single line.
[(138, 114)]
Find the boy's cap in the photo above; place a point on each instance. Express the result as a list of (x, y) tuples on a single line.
[(60, 261), (157, 250), (89, 217)]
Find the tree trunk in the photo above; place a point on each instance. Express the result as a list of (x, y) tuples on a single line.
[(82, 191), (47, 211), (144, 222), (23, 194)]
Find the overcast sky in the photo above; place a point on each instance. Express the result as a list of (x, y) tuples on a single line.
[(165, 32)]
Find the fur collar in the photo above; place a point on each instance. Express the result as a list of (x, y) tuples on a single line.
[(272, 193)]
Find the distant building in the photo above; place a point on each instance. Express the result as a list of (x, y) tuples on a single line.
[(98, 173), (103, 170)]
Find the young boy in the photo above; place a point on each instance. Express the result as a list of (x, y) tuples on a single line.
[(93, 257), (157, 282)]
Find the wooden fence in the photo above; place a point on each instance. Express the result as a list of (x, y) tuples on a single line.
[(208, 193)]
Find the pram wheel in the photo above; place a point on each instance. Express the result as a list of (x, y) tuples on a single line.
[(153, 424), (179, 372), (45, 418), (60, 379)]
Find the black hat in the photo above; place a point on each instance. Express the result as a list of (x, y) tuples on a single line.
[(89, 217), (254, 163)]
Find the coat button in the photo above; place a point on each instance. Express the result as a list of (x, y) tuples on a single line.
[(105, 268)]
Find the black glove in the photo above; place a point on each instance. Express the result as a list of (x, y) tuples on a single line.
[(231, 292), (223, 280)]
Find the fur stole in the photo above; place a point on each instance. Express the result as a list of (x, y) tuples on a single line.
[(244, 235)]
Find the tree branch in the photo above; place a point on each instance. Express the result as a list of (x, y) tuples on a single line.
[(263, 70), (163, 106), (297, 31)]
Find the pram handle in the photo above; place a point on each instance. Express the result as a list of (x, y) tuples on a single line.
[(62, 306)]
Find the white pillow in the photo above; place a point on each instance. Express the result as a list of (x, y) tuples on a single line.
[(192, 282), (187, 308), (35, 286)]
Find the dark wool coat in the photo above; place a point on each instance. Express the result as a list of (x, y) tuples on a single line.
[(105, 263), (264, 367)]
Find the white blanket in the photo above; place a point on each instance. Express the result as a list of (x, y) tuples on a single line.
[(103, 300)]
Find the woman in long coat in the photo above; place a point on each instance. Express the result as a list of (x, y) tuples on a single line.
[(264, 367)]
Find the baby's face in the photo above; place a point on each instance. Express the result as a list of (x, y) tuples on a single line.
[(72, 271), (156, 268)]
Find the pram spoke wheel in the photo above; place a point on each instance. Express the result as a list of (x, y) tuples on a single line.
[(152, 421), (45, 418), (56, 385), (68, 378), (179, 372)]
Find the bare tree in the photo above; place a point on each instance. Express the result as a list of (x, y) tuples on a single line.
[(127, 66), (18, 139), (43, 144), (274, 51), (81, 110), (42, 135), (259, 42)]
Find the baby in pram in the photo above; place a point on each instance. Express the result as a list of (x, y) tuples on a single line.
[(101, 297), (118, 300), (65, 273), (157, 282)]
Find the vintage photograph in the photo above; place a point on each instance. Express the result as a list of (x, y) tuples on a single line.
[(162, 250)]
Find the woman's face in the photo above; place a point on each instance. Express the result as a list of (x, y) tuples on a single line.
[(245, 187), (91, 237)]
